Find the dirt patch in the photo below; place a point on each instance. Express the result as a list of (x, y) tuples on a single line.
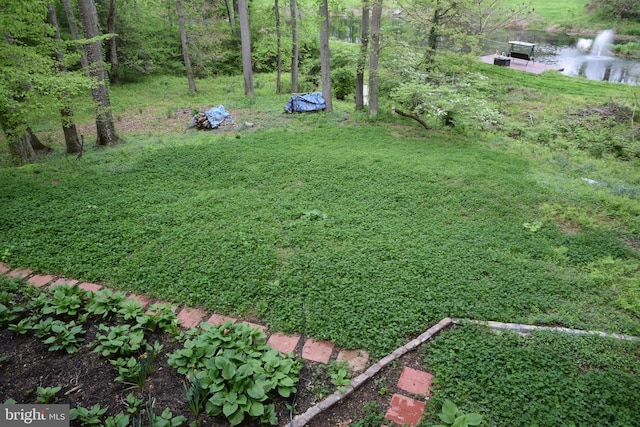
[(151, 121), (376, 392)]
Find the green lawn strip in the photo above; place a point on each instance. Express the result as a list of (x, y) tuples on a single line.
[(378, 236), (544, 378)]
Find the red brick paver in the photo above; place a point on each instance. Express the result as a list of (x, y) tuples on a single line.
[(64, 281), (19, 273), (405, 410), (190, 317), (284, 343), (415, 381), (93, 287), (256, 326), (357, 359), (218, 319), (143, 300), (39, 280), (317, 351)]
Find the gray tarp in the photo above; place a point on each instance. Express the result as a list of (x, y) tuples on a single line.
[(305, 102)]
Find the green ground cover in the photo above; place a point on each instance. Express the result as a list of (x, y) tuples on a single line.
[(345, 231), (545, 378)]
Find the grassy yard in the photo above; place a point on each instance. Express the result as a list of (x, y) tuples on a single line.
[(366, 232), (356, 232)]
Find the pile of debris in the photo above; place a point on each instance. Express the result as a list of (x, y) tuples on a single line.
[(214, 118)]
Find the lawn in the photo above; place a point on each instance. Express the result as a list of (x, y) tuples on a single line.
[(353, 232), (545, 379), (366, 232)]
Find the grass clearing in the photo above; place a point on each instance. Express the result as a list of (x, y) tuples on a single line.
[(346, 232), (366, 232)]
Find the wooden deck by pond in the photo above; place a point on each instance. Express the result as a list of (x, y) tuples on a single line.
[(524, 65)]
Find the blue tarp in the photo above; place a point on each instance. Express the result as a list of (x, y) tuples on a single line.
[(305, 102), (215, 116)]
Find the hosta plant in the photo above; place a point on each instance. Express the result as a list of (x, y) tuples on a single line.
[(239, 372), (452, 416)]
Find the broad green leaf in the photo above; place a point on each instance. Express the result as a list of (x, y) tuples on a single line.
[(229, 409), (236, 418), (285, 391), (178, 420), (218, 399), (256, 391), (474, 419), (228, 371), (244, 371), (461, 421), (256, 409), (449, 410), (287, 382)]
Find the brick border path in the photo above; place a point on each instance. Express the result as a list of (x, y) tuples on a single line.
[(316, 351), (402, 410)]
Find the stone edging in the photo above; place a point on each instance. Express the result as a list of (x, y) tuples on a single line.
[(302, 419), (525, 329)]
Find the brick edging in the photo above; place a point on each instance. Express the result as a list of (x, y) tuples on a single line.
[(303, 419)]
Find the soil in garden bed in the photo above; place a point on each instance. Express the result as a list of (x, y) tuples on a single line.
[(87, 378)]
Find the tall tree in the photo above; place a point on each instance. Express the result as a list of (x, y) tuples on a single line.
[(276, 9), (325, 56), (73, 28), (362, 58), (105, 127), (376, 17), (295, 50), (487, 16), (185, 48), (68, 126), (230, 16), (114, 74), (245, 38), (26, 67)]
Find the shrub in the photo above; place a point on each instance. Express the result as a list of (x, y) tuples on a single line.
[(343, 82)]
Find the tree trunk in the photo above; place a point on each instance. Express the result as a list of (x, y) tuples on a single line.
[(245, 38), (373, 58), (20, 138), (362, 59), (185, 48), (230, 16), (278, 49), (325, 61), (68, 126), (71, 19), (106, 131), (295, 48), (114, 75), (21, 147)]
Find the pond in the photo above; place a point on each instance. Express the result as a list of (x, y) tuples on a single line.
[(585, 57), (577, 56)]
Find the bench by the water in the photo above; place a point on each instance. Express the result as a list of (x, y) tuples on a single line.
[(522, 50)]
